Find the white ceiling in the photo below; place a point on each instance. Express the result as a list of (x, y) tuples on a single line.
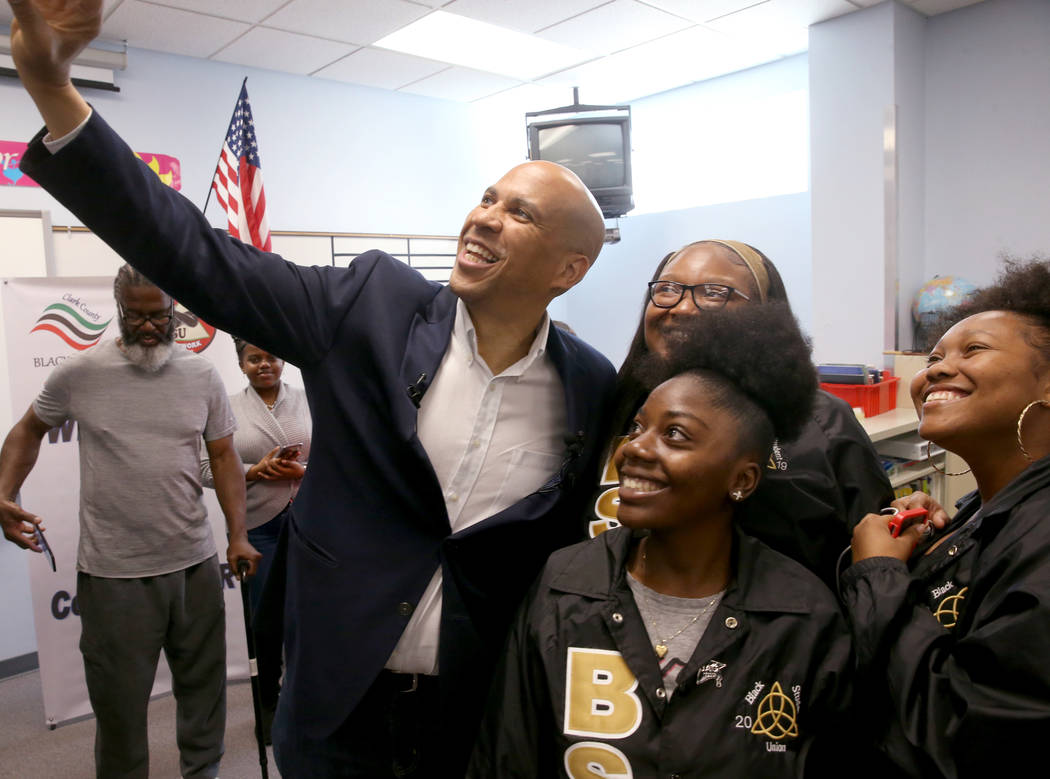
[(631, 47)]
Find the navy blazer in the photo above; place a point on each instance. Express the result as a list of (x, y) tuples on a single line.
[(369, 525)]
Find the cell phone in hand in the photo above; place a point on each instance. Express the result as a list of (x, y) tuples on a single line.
[(290, 452), (38, 534)]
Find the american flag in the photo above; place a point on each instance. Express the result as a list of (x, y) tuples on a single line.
[(238, 178)]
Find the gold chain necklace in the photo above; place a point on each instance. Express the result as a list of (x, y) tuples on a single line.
[(660, 647)]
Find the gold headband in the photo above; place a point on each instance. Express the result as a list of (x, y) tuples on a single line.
[(752, 259)]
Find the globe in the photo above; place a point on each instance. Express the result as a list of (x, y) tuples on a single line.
[(936, 296)]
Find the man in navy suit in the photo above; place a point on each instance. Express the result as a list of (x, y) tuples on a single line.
[(450, 423)]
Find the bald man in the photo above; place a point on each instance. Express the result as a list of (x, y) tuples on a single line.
[(451, 424)]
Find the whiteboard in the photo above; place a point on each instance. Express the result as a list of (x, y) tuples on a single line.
[(25, 243)]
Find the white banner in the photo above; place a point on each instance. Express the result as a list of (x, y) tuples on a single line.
[(48, 321)]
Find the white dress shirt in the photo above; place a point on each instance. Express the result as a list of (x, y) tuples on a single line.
[(492, 440)]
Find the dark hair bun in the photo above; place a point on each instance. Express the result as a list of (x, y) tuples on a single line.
[(759, 351)]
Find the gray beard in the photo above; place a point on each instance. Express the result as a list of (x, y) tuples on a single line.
[(149, 358)]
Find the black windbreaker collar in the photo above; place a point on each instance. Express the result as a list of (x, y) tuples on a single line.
[(597, 569)]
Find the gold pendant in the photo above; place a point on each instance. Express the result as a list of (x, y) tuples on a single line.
[(661, 650)]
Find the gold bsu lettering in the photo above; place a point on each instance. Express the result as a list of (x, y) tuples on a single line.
[(600, 697), (590, 759), (605, 507)]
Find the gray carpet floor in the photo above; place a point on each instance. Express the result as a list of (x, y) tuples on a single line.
[(28, 750)]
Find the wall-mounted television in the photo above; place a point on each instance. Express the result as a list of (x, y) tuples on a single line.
[(595, 148)]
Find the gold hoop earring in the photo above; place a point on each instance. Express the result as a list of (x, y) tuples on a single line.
[(1020, 421), (933, 465)]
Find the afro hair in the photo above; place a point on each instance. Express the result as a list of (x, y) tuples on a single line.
[(755, 360), (1023, 288)]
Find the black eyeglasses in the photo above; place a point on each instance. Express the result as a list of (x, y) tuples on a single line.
[(668, 294), (135, 319)]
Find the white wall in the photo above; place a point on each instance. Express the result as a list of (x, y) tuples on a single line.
[(987, 136)]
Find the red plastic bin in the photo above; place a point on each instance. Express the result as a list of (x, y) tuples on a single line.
[(874, 399)]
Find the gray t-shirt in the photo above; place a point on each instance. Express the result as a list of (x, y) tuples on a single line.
[(141, 512), (675, 623)]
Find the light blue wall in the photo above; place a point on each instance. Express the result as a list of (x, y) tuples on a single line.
[(987, 136), (335, 157), (605, 309)]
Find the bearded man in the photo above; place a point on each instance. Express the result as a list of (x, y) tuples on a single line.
[(147, 571)]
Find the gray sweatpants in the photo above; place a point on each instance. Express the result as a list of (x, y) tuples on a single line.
[(124, 625)]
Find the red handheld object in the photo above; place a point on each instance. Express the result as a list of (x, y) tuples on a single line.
[(896, 522)]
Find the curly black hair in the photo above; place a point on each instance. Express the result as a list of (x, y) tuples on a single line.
[(756, 364), (630, 389), (1023, 288)]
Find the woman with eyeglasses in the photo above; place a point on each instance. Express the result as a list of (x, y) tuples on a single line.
[(817, 487), (273, 441), (677, 646), (951, 620)]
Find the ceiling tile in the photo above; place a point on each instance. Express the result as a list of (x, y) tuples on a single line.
[(462, 84), (525, 17), (289, 52), (477, 45), (780, 25), (617, 25), (240, 10), (354, 21), (615, 79), (156, 27), (934, 7), (528, 97), (781, 14), (691, 55), (380, 68), (705, 10)]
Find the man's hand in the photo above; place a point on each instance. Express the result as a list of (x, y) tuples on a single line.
[(241, 549), (46, 36), (19, 525)]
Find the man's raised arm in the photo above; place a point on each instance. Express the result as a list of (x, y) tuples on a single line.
[(46, 36)]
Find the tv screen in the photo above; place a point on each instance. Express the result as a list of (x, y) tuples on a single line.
[(593, 151), (597, 149)]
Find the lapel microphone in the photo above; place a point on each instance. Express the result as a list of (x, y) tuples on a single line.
[(416, 391)]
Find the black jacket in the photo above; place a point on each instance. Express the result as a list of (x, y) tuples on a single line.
[(957, 645), (776, 644), (813, 491)]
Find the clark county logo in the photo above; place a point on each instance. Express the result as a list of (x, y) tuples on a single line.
[(193, 333), (74, 327)]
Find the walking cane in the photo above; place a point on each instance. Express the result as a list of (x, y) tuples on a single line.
[(253, 667)]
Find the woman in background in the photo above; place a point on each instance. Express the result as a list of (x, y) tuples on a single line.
[(273, 440), (677, 645), (953, 630), (817, 487)]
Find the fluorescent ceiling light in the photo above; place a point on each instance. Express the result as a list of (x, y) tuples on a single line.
[(461, 41)]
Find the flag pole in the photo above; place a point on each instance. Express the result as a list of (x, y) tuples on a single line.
[(211, 183)]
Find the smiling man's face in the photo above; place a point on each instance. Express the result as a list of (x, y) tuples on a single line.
[(522, 243)]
